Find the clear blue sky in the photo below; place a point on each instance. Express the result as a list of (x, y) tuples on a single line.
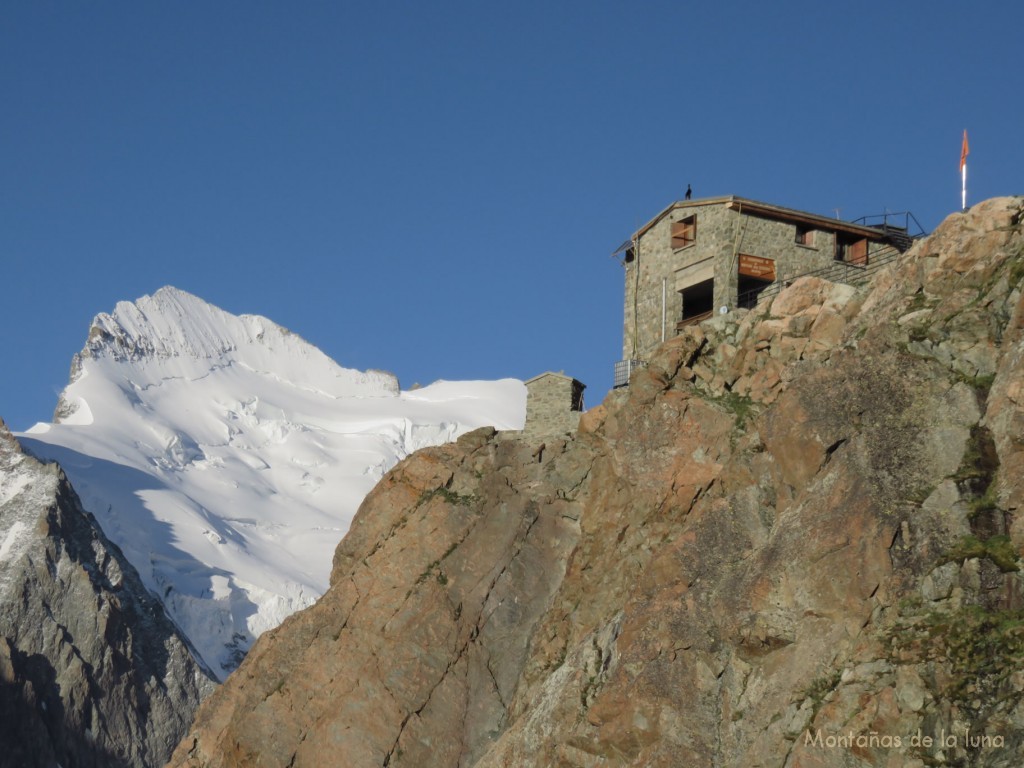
[(435, 188)]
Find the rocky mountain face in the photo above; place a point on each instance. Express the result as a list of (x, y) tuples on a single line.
[(793, 541), (92, 673)]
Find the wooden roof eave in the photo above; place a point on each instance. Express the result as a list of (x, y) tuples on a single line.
[(800, 217), (753, 207)]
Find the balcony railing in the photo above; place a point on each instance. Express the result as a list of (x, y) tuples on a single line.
[(902, 222)]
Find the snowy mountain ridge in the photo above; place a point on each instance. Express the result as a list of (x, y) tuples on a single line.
[(226, 456), (186, 333)]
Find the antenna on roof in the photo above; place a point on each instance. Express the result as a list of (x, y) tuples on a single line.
[(836, 211)]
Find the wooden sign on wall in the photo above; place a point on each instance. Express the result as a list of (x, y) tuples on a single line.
[(756, 266)]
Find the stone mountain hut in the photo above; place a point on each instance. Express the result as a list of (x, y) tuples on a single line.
[(702, 257)]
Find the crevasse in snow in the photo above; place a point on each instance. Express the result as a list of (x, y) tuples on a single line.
[(226, 456)]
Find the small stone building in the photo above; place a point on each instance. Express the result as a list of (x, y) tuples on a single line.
[(554, 403), (700, 257)]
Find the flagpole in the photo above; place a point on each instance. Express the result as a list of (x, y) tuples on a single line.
[(964, 151), (963, 186)]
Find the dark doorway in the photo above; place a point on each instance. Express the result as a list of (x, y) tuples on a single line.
[(748, 290), (698, 302)]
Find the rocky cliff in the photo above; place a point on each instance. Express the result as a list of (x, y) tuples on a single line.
[(92, 673), (793, 541)]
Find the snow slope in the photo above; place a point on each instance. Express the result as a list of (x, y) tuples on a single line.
[(226, 456)]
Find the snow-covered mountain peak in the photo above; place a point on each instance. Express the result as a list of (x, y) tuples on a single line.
[(173, 325), (226, 456), (176, 336)]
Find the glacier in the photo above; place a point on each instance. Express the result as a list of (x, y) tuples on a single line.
[(226, 456)]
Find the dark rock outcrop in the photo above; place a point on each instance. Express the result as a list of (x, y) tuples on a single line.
[(92, 673), (793, 541)]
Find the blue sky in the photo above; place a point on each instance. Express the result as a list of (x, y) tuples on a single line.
[(435, 188)]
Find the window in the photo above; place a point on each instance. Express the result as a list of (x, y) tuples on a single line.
[(857, 252), (804, 235), (684, 232), (852, 251)]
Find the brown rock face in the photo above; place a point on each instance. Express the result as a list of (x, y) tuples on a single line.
[(793, 541)]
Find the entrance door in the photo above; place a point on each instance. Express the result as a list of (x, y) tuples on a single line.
[(754, 274), (748, 291)]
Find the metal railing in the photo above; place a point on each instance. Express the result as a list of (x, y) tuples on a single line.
[(889, 222), (749, 299), (837, 272)]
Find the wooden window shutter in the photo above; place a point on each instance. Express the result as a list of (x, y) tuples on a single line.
[(858, 252), (684, 232)]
